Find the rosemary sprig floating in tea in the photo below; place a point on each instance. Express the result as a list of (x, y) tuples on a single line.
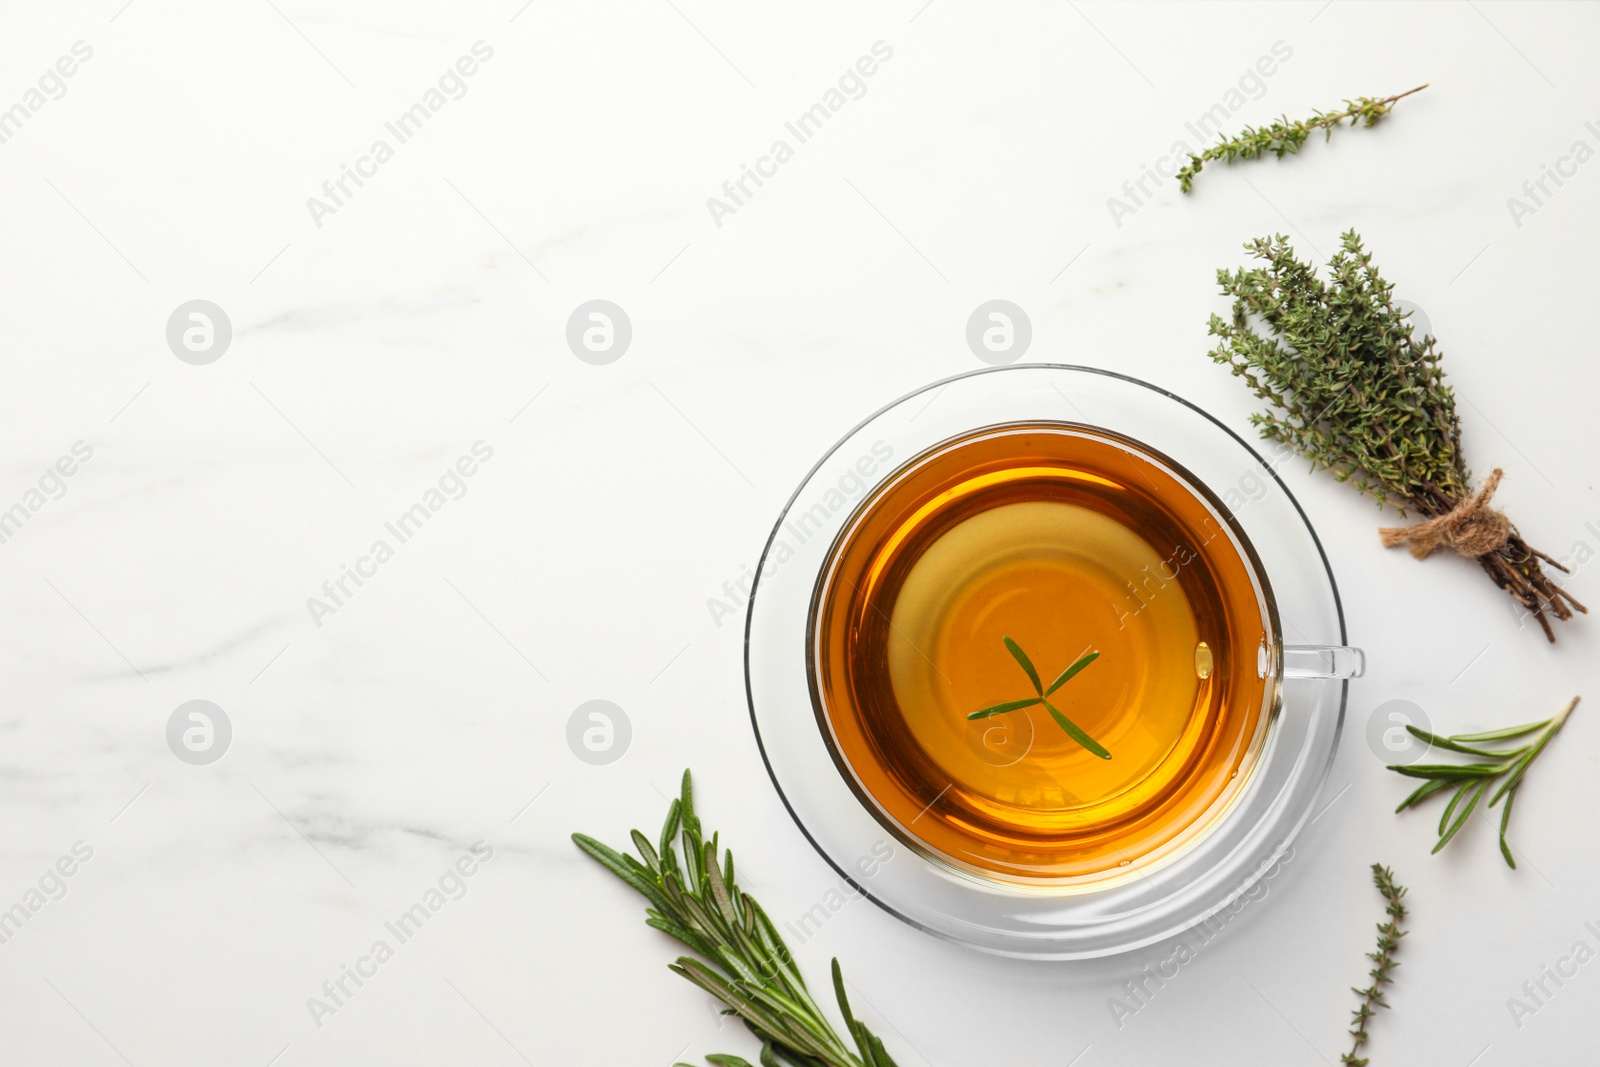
[(1356, 392), (1042, 694), (1285, 138), (1472, 780), (1383, 963), (743, 962)]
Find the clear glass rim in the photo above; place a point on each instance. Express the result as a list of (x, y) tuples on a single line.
[(1292, 831), (1271, 664)]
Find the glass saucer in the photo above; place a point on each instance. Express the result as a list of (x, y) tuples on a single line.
[(1033, 920)]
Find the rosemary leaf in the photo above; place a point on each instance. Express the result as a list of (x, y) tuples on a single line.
[(1450, 744), (1500, 735), (1423, 792), (1022, 658), (1505, 819), (1067, 675), (1001, 709), (1074, 732), (612, 861), (1472, 802), (1448, 771), (647, 852)]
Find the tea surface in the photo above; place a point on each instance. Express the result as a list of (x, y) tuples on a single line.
[(1066, 541)]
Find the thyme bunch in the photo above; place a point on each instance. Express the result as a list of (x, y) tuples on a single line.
[(1284, 138), (743, 961), (1352, 388), (1383, 963), (1472, 780)]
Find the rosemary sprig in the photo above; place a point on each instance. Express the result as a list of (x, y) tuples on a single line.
[(743, 961), (1472, 780), (1041, 695), (1383, 963), (1285, 138), (1354, 390)]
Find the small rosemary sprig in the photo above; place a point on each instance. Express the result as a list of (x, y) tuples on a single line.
[(1285, 138), (1383, 963), (743, 962), (1472, 780), (1041, 693)]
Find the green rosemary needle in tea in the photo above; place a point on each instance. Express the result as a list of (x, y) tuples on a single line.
[(1284, 138), (1041, 695), (1472, 780), (743, 961), (1383, 963)]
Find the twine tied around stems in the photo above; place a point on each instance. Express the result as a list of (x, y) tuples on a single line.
[(1472, 527)]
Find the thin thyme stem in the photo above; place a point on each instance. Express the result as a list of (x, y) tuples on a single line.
[(1284, 138), (1383, 963)]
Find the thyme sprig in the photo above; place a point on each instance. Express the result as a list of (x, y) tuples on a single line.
[(1383, 963), (1285, 138), (1472, 780), (743, 961), (1041, 695), (1352, 388)]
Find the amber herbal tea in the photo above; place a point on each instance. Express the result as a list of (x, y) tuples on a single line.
[(1076, 545)]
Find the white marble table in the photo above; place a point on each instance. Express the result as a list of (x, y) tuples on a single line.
[(401, 341)]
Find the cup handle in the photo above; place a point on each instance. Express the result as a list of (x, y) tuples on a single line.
[(1322, 661)]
